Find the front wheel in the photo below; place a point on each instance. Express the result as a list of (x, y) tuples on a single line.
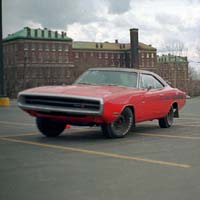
[(121, 126), (168, 120), (50, 127)]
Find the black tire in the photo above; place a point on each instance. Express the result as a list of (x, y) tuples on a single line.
[(168, 120), (50, 127), (121, 126)]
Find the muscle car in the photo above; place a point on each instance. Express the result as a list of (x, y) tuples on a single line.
[(113, 98)]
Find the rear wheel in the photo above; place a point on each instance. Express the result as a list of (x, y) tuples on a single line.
[(168, 120), (121, 126), (50, 127)]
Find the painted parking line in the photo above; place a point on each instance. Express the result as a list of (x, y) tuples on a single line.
[(186, 125), (99, 153), (171, 136), (17, 123), (188, 118), (187, 122), (18, 135), (190, 114)]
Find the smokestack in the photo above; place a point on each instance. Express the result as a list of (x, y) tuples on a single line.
[(116, 41), (134, 48)]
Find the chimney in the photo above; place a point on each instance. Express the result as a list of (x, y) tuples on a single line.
[(28, 32), (42, 33), (49, 34), (36, 33), (101, 45), (134, 48), (56, 34), (63, 34), (97, 46), (116, 41)]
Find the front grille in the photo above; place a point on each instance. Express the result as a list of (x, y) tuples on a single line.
[(61, 103)]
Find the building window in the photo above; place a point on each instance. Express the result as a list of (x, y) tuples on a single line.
[(147, 55), (53, 47), (142, 63), (100, 55), (47, 58), (118, 56), (47, 47), (60, 58), (33, 46), (59, 47), (142, 55), (106, 55), (26, 46), (66, 58), (84, 54), (39, 57), (15, 47), (91, 54), (68, 74), (76, 55), (40, 47), (53, 57), (66, 47), (26, 57), (33, 57), (152, 55), (112, 55)]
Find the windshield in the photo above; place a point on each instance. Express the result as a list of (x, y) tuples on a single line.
[(106, 77)]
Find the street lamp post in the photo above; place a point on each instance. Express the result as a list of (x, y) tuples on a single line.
[(4, 101)]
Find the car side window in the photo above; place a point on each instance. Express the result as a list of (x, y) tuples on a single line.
[(147, 80)]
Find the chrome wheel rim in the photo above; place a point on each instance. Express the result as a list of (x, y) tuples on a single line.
[(122, 124), (170, 117)]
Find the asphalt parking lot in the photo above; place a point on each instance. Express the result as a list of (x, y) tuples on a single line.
[(150, 163)]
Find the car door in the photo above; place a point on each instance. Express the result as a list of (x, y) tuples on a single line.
[(151, 104)]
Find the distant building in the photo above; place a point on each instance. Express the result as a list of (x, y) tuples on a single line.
[(174, 69), (34, 57)]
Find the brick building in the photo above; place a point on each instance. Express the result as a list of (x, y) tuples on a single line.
[(174, 69), (34, 57)]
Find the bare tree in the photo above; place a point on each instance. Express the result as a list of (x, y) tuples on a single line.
[(198, 51), (176, 48)]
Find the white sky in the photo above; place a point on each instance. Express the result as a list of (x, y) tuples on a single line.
[(160, 22)]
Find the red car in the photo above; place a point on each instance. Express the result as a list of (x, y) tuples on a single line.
[(113, 98)]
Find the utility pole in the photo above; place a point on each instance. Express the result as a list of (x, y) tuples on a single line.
[(2, 92), (4, 101)]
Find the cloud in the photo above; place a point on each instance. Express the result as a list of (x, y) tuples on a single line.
[(119, 6)]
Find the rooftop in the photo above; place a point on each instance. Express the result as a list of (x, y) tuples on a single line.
[(171, 58), (47, 34), (109, 46), (29, 33)]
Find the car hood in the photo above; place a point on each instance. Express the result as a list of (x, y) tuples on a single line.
[(100, 91)]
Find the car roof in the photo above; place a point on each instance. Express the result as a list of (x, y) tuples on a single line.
[(121, 69), (129, 70)]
